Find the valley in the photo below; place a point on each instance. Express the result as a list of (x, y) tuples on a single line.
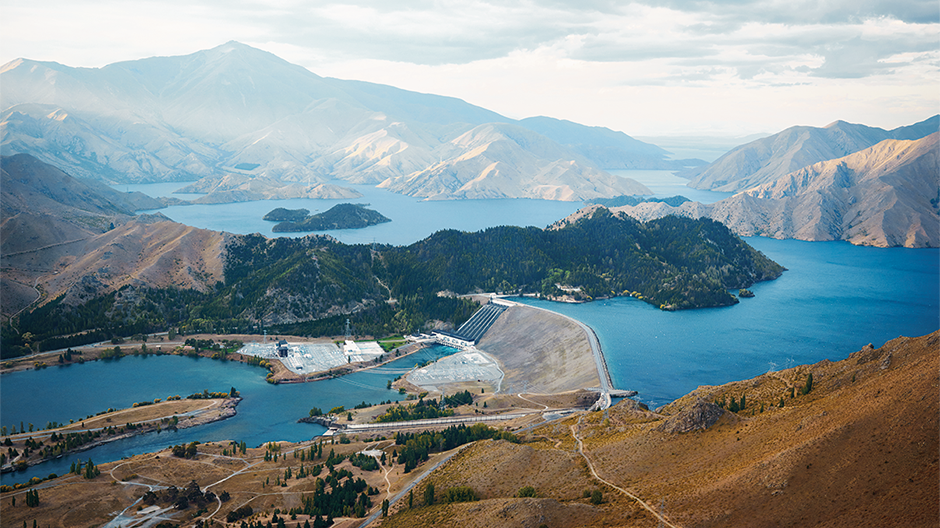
[(754, 327)]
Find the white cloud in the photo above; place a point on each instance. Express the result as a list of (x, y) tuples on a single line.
[(641, 67)]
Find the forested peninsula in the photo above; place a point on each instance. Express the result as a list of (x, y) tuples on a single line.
[(310, 285)]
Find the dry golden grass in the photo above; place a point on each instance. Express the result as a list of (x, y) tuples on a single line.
[(71, 501), (861, 449)]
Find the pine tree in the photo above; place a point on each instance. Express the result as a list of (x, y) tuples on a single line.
[(429, 494), (809, 385)]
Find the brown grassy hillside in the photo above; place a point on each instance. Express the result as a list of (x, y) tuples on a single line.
[(860, 449)]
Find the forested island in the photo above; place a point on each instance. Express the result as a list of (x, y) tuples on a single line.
[(340, 216), (311, 285)]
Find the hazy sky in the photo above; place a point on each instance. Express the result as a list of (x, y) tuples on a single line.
[(646, 68)]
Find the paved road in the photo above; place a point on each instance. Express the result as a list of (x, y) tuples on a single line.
[(411, 486), (356, 428)]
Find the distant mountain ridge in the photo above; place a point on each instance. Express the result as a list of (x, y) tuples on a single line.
[(885, 195), (766, 159), (202, 115)]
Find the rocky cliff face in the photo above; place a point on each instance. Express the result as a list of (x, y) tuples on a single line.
[(886, 195)]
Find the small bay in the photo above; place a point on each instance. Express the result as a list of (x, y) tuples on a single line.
[(267, 412)]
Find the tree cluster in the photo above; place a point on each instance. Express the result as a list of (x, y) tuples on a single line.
[(672, 263), (190, 495), (184, 450), (422, 410), (417, 446)]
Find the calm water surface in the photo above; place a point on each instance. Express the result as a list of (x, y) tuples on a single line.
[(266, 413), (412, 219), (834, 299)]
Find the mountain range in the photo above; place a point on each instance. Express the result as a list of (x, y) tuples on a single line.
[(766, 159), (884, 195), (75, 254), (234, 109)]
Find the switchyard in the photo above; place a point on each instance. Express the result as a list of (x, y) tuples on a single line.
[(307, 358)]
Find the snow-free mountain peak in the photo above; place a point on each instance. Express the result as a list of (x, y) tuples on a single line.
[(237, 109)]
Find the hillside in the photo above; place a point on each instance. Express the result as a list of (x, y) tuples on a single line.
[(147, 273), (243, 188), (859, 449), (672, 263), (767, 159), (886, 195), (340, 216), (234, 109), (506, 161)]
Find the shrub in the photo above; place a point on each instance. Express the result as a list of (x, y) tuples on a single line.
[(526, 491), (460, 494)]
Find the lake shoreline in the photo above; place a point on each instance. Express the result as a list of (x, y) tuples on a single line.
[(214, 413)]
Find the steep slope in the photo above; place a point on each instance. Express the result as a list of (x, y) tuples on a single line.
[(859, 449), (507, 161), (80, 238), (30, 186), (219, 110), (769, 158), (146, 252), (886, 195)]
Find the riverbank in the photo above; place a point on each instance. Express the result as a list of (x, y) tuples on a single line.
[(36, 447)]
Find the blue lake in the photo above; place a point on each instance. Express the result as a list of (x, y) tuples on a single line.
[(412, 219), (834, 299), (266, 413)]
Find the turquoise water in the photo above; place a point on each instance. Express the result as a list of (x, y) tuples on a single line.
[(412, 219), (834, 299), (267, 412)]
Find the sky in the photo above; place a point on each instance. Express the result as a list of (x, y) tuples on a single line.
[(647, 68)]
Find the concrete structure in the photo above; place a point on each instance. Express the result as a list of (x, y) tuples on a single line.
[(453, 340), (471, 331)]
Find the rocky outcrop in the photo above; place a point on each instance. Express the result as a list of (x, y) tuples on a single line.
[(699, 416)]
